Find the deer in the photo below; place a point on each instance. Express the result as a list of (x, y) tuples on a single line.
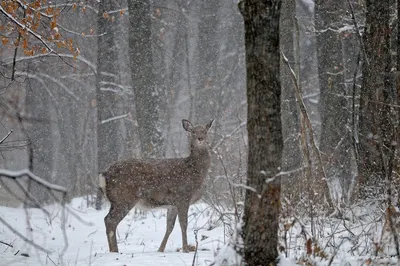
[(174, 183)]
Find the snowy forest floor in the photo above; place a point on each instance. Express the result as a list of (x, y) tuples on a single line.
[(139, 236), (338, 241)]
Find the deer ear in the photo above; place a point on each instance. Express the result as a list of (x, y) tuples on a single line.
[(209, 124), (187, 125)]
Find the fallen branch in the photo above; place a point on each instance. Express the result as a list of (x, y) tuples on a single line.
[(4, 243), (307, 121)]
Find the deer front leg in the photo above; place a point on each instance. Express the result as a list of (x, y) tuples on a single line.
[(171, 218), (183, 220)]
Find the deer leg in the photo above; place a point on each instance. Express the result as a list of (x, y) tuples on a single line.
[(183, 221), (171, 218), (113, 218)]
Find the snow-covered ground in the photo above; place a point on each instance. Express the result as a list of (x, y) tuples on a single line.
[(83, 242), (139, 236)]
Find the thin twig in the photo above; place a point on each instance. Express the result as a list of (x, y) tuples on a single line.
[(16, 51), (22, 26), (6, 136), (4, 243), (225, 137), (197, 246), (358, 31), (33, 33), (354, 124), (22, 236)]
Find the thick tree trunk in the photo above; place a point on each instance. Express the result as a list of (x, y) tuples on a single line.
[(147, 96), (261, 213), (376, 128), (335, 144)]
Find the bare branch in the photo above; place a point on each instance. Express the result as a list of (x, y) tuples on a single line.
[(29, 174), (306, 119), (23, 237), (62, 56), (358, 31), (6, 136), (236, 129), (22, 26), (113, 118)]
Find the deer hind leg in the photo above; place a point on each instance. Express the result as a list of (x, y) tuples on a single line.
[(113, 218), (183, 221), (171, 218)]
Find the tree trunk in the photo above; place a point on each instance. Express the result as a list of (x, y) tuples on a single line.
[(376, 129), (207, 91), (39, 130), (291, 183), (335, 143), (148, 98), (108, 136), (261, 214)]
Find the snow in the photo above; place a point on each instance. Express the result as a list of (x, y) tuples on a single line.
[(139, 236)]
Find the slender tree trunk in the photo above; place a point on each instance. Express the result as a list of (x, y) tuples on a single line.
[(109, 138), (335, 143), (148, 98), (39, 130), (206, 94), (261, 213), (376, 128)]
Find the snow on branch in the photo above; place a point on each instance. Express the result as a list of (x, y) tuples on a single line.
[(32, 176), (6, 136), (51, 187), (60, 55), (22, 26), (113, 118)]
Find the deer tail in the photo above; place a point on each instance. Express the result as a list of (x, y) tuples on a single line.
[(100, 191), (102, 183)]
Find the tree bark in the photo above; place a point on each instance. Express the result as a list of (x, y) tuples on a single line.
[(147, 96), (376, 128), (261, 212), (109, 138)]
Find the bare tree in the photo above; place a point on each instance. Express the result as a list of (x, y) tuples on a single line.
[(262, 203)]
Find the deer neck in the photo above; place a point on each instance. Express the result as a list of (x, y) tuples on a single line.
[(200, 157)]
